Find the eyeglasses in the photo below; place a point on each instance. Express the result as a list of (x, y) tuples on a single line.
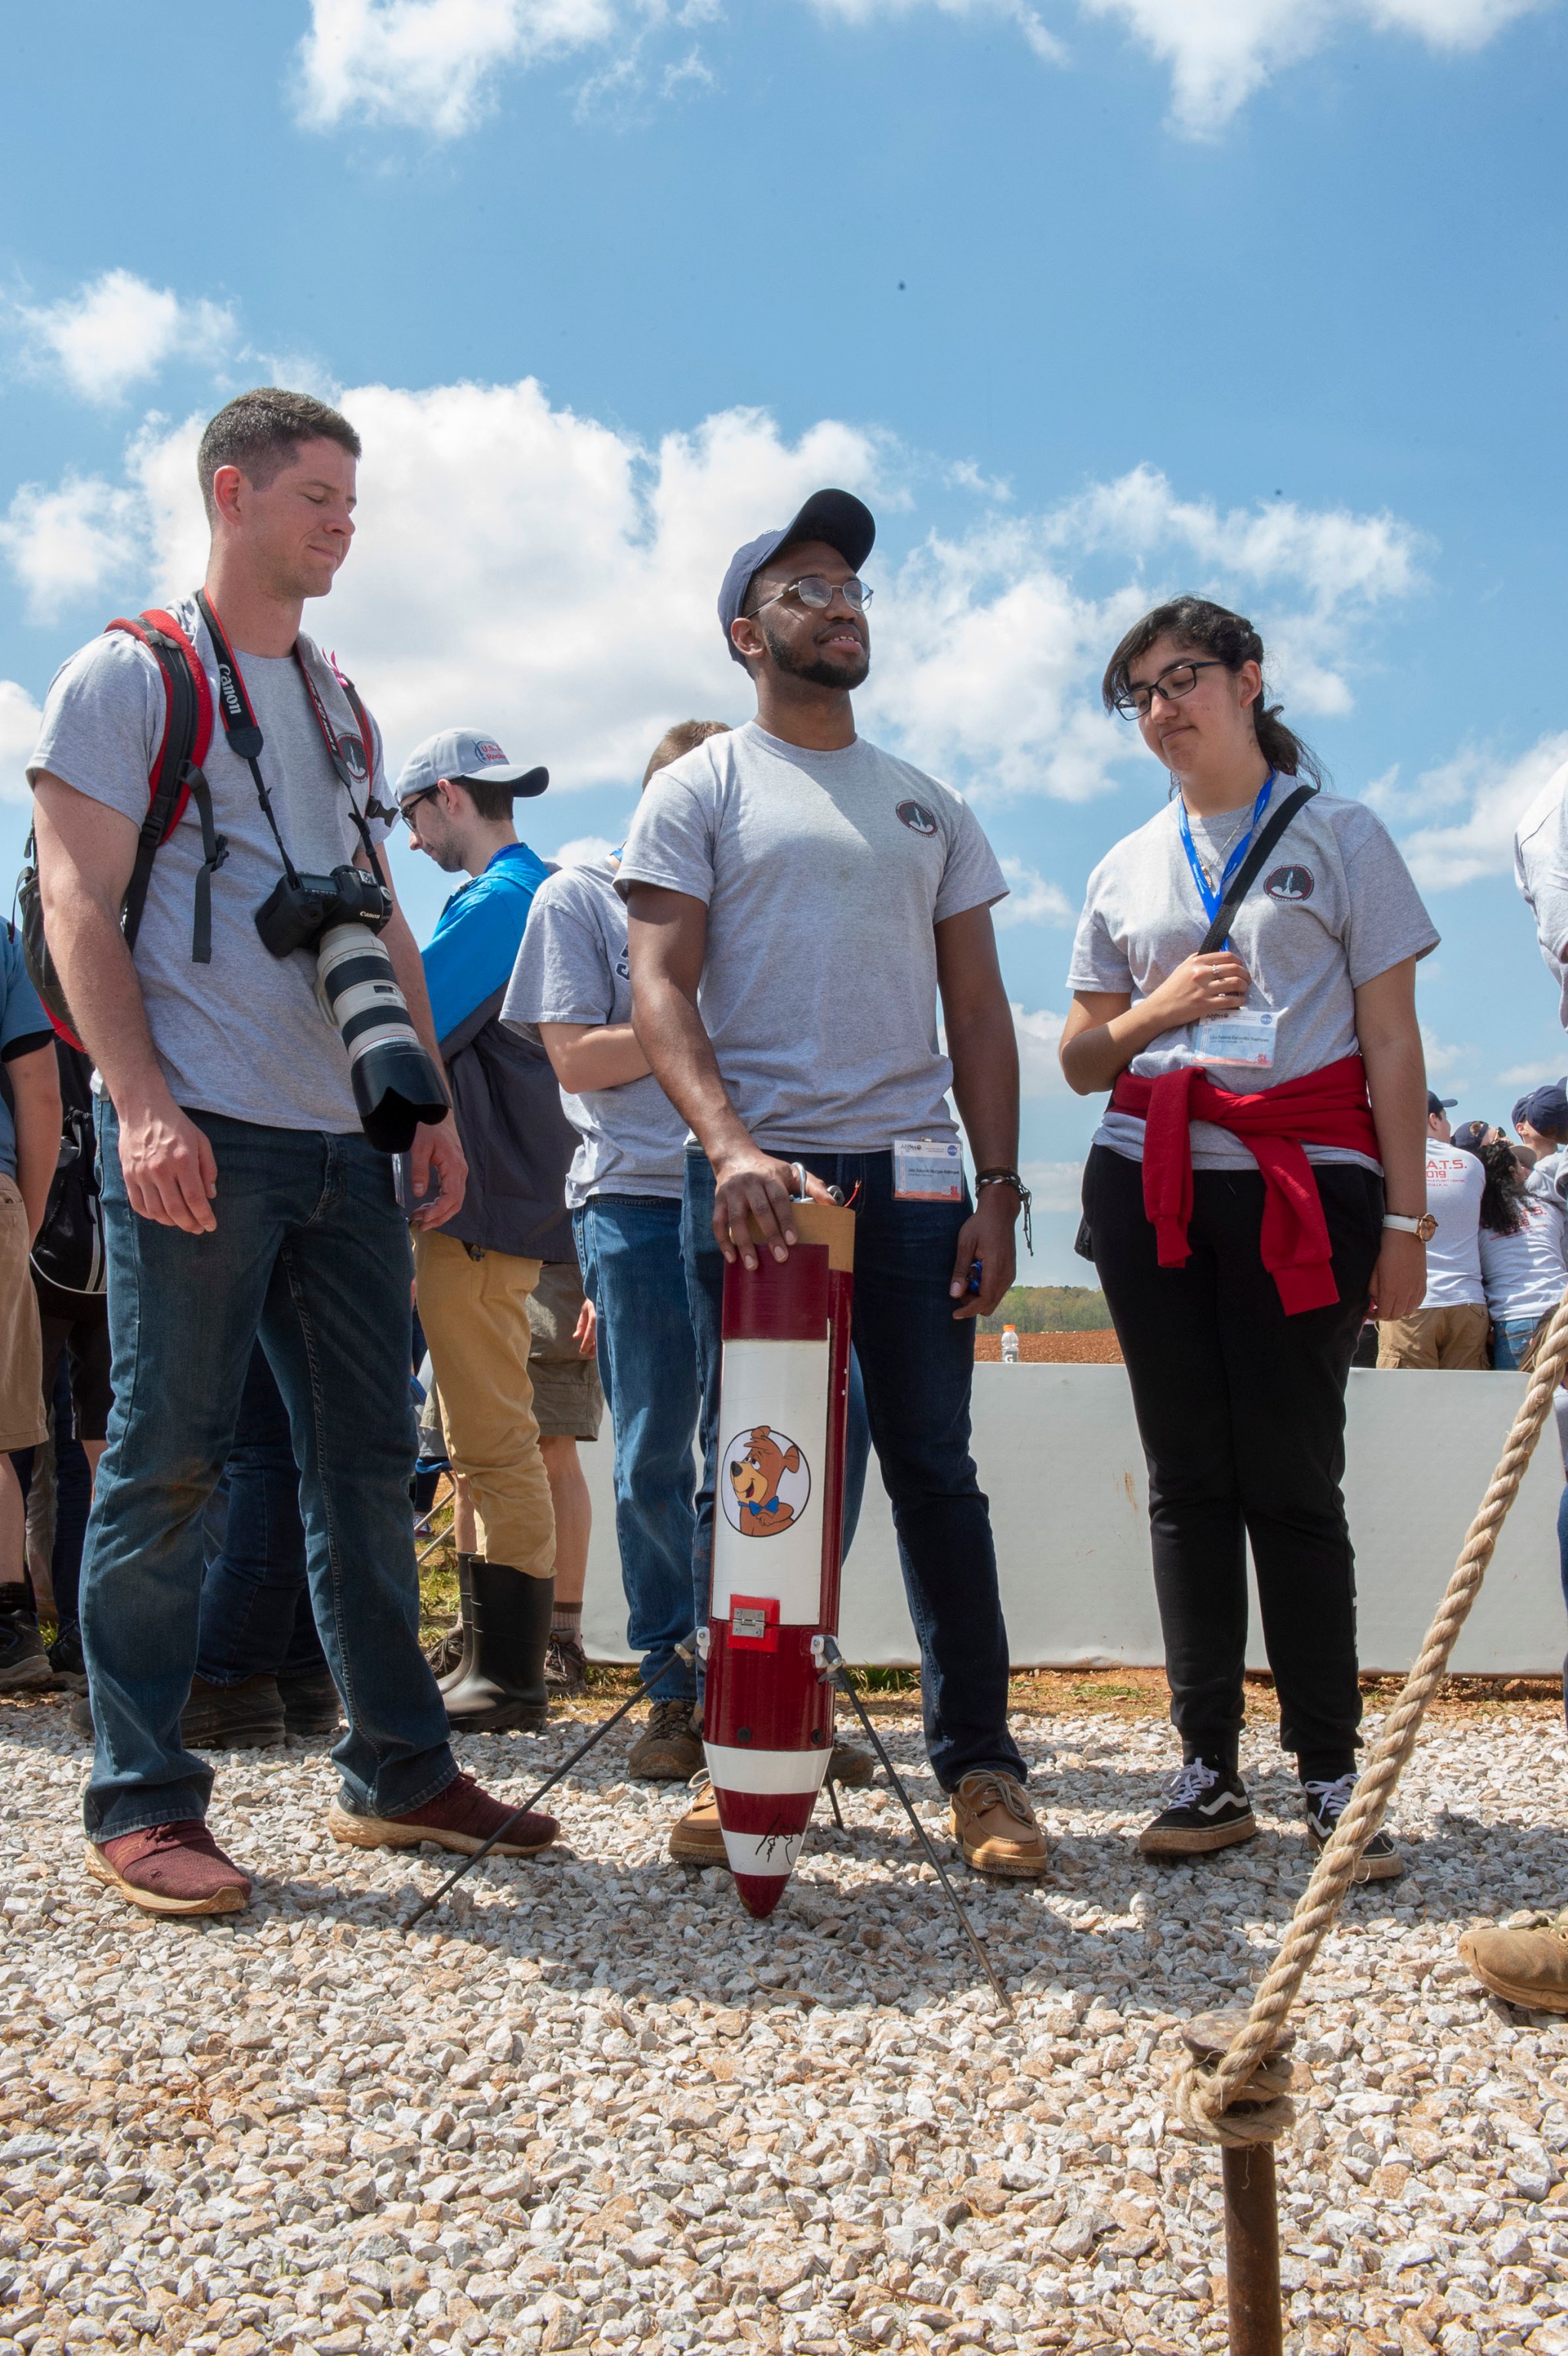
[(818, 594), (1138, 702), (413, 802)]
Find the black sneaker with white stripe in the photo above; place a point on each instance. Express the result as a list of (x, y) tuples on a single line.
[(1208, 1809), (1326, 1804)]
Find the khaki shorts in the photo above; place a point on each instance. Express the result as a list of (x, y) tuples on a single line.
[(568, 1402), (1453, 1339), (23, 1423)]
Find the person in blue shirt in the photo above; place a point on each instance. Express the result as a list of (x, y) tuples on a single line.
[(475, 1275)]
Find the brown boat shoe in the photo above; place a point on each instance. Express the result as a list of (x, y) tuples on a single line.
[(994, 1825), (698, 1837), (1527, 1965), (461, 1818)]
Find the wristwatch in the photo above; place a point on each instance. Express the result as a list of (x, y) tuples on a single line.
[(1422, 1229)]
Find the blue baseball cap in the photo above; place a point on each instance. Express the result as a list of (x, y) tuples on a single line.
[(1545, 1109), (463, 752), (1434, 1103), (838, 517)]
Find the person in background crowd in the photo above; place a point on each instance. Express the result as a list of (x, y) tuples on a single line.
[(568, 1408), (1241, 1227), (29, 1148), (476, 1276), (240, 1192), (1540, 1121), (1529, 1965), (1522, 1244), (571, 990), (73, 1324), (1450, 1329), (769, 873)]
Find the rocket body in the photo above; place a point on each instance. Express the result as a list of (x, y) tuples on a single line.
[(778, 1517)]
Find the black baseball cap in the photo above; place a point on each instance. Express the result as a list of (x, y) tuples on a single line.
[(1435, 1105), (838, 517)]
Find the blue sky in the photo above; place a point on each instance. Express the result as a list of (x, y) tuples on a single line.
[(1093, 299)]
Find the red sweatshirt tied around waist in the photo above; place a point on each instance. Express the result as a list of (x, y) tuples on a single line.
[(1325, 1107)]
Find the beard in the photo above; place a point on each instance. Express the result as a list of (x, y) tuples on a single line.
[(820, 672)]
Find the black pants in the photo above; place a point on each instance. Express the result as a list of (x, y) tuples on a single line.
[(1241, 1413)]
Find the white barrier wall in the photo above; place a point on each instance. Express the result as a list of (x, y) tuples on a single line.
[(1059, 1457)]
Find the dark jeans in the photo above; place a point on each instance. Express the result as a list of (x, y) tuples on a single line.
[(312, 1252), (73, 1502), (917, 1365), (256, 1616), (1241, 1413)]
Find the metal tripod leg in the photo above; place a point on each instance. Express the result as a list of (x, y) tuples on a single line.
[(685, 1652), (835, 1672)]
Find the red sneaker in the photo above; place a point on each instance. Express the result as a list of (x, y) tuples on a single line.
[(462, 1817), (171, 1869)]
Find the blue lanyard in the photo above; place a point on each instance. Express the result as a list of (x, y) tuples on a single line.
[(1212, 898)]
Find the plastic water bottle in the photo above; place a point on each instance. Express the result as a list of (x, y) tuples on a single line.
[(1010, 1345)]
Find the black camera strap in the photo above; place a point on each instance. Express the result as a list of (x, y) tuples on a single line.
[(349, 757)]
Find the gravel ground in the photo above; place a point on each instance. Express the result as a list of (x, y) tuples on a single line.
[(596, 2108)]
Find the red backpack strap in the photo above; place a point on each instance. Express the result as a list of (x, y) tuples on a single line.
[(178, 663), (177, 772)]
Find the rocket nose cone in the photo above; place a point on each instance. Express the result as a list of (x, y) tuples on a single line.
[(760, 1893)]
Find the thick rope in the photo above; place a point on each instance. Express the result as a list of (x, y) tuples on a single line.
[(1202, 2092)]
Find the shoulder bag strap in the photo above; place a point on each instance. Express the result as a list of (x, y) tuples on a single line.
[(1251, 866)]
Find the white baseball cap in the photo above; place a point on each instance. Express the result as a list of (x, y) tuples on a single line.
[(460, 753)]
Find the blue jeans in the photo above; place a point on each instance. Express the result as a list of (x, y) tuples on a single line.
[(629, 1247), (1510, 1340), (256, 1617), (917, 1364), (311, 1251)]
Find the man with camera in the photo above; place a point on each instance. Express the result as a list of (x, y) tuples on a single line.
[(258, 1018)]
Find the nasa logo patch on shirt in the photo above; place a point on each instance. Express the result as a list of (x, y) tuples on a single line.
[(1291, 883), (917, 818)]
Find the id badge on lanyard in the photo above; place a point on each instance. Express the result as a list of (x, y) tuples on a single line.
[(1244, 1037), (928, 1170)]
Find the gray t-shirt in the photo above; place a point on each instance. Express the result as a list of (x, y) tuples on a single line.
[(823, 875), (572, 968), (244, 1035), (1541, 870), (1334, 908)]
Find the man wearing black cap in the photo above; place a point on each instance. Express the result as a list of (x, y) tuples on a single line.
[(477, 1287), (799, 900), (1449, 1330)]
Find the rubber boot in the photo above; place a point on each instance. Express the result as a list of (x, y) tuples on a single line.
[(502, 1681), (449, 1658)]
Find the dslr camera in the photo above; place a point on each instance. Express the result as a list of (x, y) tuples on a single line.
[(340, 915)]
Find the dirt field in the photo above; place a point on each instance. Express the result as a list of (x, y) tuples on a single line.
[(1101, 1349)]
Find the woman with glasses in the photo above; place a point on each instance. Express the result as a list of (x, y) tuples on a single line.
[(1257, 1180)]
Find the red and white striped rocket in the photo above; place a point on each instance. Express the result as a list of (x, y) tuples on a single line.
[(778, 1518)]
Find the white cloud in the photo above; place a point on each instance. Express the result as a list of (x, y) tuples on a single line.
[(582, 850), (1530, 1076), (1031, 900), (1039, 1073), (118, 330), (19, 718), (431, 65), (1056, 1187), (1443, 1061), (1489, 797), (555, 574), (1220, 51)]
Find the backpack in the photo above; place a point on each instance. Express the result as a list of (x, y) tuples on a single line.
[(70, 1252), (174, 777)]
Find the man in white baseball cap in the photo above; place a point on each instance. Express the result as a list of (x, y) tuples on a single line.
[(455, 794)]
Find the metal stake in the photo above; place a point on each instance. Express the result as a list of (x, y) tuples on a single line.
[(685, 1652), (836, 1674), (1252, 2206)]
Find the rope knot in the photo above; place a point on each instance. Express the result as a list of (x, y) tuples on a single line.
[(1212, 2101)]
